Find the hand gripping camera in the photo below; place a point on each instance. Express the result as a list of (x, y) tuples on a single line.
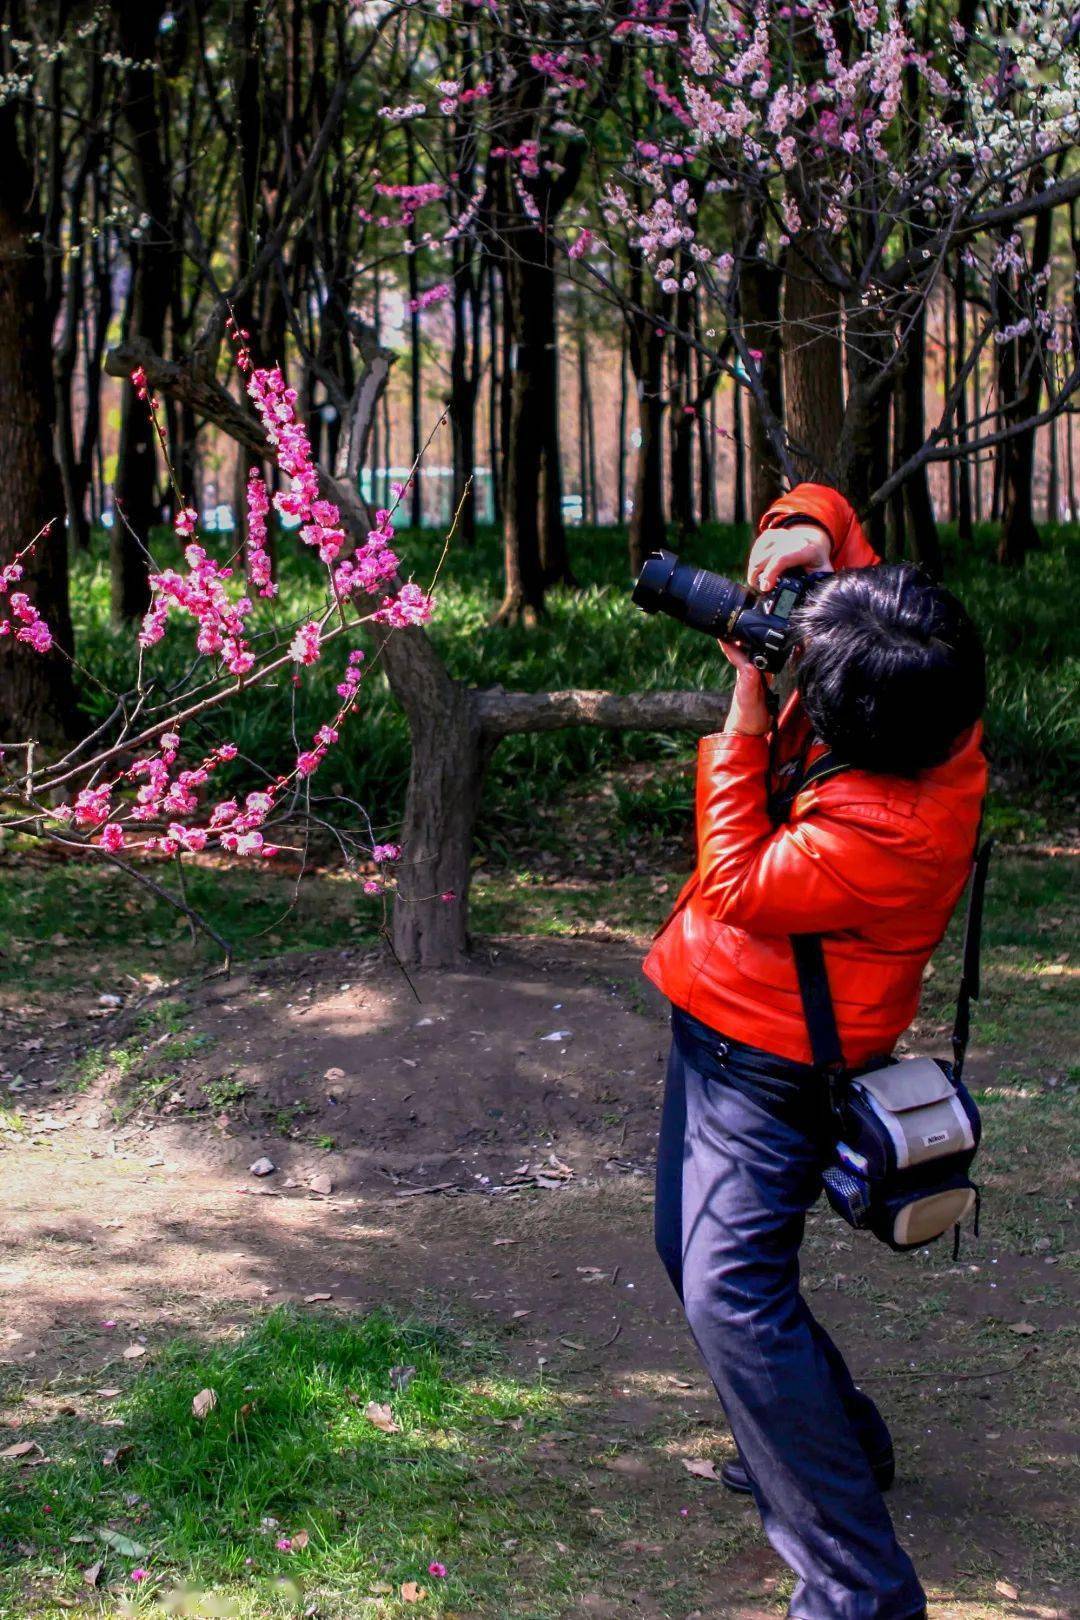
[(757, 621)]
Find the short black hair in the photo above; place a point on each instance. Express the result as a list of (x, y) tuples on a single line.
[(892, 668)]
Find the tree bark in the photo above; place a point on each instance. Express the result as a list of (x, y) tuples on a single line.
[(963, 469), (813, 383), (1020, 381), (648, 530), (738, 438), (923, 539), (153, 266), (681, 422), (759, 299), (37, 695)]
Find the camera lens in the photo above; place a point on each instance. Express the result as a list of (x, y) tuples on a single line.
[(694, 596)]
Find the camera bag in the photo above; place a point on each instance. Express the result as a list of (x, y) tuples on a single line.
[(906, 1133)]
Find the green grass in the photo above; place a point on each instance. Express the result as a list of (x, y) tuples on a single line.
[(287, 1450), (593, 637)]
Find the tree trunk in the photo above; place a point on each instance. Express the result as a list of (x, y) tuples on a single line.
[(681, 423), (153, 266), (923, 539), (863, 455), (647, 527), (1020, 381), (620, 449), (464, 384), (523, 587), (446, 775), (759, 299), (963, 469), (498, 393), (738, 438), (37, 696), (706, 438), (544, 355), (813, 382), (1053, 478)]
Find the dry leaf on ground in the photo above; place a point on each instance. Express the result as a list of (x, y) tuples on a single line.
[(412, 1593), (204, 1402), (382, 1417), (700, 1467)]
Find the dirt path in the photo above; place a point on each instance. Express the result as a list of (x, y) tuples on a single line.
[(526, 1089)]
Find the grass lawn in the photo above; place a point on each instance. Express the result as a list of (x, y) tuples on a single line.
[(341, 1466)]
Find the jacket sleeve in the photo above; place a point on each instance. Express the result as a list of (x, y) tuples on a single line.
[(819, 503), (835, 869)]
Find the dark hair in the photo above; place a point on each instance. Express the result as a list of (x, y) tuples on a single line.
[(892, 668)]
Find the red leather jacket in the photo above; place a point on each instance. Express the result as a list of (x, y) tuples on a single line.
[(875, 863)]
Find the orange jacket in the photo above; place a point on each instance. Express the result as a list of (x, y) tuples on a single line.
[(875, 863)]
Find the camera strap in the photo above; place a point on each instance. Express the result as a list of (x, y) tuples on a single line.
[(817, 999)]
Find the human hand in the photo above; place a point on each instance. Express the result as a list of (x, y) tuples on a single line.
[(801, 545), (748, 713)]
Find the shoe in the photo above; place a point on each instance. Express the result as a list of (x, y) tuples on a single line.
[(735, 1477)]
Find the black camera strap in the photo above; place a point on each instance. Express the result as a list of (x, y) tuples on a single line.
[(817, 999), (969, 972)]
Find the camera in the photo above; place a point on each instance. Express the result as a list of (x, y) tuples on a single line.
[(758, 621)]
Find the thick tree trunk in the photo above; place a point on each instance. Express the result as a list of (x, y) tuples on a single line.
[(813, 364), (446, 775), (524, 581), (759, 297), (863, 455), (37, 696)]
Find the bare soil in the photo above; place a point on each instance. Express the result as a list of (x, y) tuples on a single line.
[(486, 1136)]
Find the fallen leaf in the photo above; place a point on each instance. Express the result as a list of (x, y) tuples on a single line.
[(411, 1593), (112, 1458), (315, 1299), (1022, 1327), (334, 1074), (92, 1575), (134, 1351), (1007, 1590), (500, 1242), (382, 1417), (107, 1394), (700, 1467), (300, 1540), (120, 1543), (380, 1588), (23, 1448), (573, 1344), (204, 1402)]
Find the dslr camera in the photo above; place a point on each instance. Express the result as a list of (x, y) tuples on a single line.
[(757, 621)]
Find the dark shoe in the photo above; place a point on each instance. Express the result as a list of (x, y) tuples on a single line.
[(735, 1477)]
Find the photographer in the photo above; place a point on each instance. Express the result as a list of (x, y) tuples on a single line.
[(854, 816)]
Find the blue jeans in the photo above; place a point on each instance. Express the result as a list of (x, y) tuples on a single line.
[(742, 1145)]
